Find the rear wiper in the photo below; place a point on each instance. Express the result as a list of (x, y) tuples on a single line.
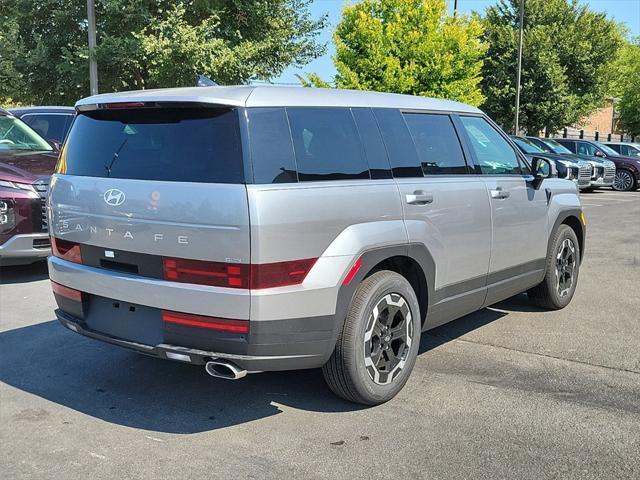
[(116, 155)]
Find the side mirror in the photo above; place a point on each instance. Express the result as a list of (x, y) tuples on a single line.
[(600, 154), (57, 146), (542, 168)]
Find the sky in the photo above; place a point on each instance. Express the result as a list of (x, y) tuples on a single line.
[(625, 11)]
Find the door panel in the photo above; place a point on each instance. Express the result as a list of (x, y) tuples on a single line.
[(519, 215), (451, 215)]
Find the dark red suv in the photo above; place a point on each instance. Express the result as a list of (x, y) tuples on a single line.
[(26, 163)]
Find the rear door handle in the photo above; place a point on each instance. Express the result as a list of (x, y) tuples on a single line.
[(419, 198), (499, 193)]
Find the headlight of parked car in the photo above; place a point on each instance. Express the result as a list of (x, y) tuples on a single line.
[(7, 215), (18, 186)]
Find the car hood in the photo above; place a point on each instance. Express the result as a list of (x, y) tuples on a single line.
[(26, 167), (632, 161), (556, 157)]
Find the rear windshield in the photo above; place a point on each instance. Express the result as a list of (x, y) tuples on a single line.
[(171, 144)]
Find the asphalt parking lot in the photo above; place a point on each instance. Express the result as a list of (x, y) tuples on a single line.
[(507, 392)]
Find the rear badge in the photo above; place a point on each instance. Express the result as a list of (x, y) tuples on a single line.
[(109, 254)]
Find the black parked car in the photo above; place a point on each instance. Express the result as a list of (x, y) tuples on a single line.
[(603, 170), (627, 168), (569, 167), (51, 123)]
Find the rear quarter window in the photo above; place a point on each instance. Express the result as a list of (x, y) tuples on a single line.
[(167, 144), (272, 156)]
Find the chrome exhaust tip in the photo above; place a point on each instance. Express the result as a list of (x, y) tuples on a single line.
[(224, 369)]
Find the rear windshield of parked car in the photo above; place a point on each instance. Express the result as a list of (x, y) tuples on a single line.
[(170, 144)]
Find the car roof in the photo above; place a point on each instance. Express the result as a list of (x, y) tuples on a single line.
[(43, 109), (4, 112), (622, 143), (277, 96)]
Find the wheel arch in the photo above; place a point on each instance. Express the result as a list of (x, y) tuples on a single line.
[(571, 218), (413, 262)]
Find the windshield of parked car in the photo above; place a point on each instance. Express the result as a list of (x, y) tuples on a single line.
[(607, 150), (556, 147), (15, 135), (527, 146), (634, 150)]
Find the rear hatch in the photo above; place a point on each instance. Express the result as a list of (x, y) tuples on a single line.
[(137, 185)]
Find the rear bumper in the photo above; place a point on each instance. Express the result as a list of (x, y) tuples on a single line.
[(278, 348), (25, 248)]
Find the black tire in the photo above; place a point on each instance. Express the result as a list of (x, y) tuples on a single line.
[(553, 293), (346, 372), (625, 181)]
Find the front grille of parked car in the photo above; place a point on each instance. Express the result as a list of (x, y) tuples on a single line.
[(609, 172), (41, 220), (584, 177)]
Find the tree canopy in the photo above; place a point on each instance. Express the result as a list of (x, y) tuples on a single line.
[(567, 51), (625, 81), (148, 44), (408, 46)]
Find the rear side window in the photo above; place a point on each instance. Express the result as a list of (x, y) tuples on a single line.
[(437, 144), (584, 148), (402, 153), (569, 145), (170, 144), (48, 126), (493, 153), (326, 144), (272, 155)]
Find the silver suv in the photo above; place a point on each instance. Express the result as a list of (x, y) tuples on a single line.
[(252, 229)]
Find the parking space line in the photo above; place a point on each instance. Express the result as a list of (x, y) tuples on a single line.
[(591, 205), (612, 199)]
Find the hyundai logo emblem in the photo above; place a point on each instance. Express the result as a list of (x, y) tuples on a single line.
[(114, 197)]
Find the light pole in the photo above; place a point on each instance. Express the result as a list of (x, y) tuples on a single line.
[(517, 121), (93, 65)]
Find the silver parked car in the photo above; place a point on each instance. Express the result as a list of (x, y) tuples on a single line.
[(251, 229)]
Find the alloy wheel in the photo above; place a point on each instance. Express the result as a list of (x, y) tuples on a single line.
[(387, 338), (566, 262), (623, 181)]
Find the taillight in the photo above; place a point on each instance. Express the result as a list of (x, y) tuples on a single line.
[(280, 274), (201, 321), (66, 250), (66, 292), (237, 275), (122, 105), (216, 274)]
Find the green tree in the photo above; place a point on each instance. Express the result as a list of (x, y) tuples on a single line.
[(149, 44), (408, 46), (567, 51), (625, 84)]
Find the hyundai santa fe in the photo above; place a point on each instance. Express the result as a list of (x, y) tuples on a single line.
[(249, 229)]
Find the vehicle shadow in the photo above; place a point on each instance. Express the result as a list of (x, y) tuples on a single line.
[(125, 388), (24, 273)]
